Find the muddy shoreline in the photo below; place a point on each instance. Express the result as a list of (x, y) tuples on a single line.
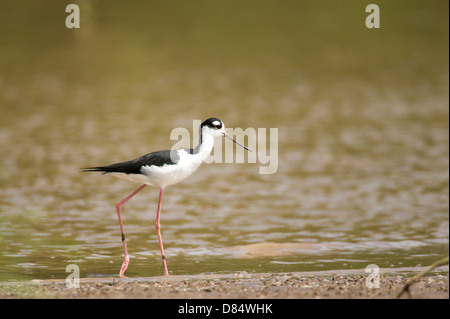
[(345, 284)]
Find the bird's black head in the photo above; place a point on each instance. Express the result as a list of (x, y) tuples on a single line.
[(213, 123)]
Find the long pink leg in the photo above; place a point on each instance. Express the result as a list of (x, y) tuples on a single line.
[(158, 228), (118, 206)]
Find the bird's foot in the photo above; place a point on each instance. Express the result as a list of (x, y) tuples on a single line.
[(124, 267)]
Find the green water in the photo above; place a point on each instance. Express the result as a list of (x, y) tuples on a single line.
[(363, 135)]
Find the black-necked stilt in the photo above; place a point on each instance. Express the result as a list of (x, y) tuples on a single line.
[(161, 169)]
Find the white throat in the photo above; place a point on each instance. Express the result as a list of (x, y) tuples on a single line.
[(206, 146)]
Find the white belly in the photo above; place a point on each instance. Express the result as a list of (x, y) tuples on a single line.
[(162, 176)]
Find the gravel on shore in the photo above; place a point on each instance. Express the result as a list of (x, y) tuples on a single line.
[(322, 285)]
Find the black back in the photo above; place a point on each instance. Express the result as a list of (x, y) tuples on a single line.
[(159, 158)]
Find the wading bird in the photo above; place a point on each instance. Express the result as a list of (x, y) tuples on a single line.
[(161, 169)]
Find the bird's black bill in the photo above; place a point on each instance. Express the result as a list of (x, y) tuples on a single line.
[(229, 137)]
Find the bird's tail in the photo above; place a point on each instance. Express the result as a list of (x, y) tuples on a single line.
[(94, 169)]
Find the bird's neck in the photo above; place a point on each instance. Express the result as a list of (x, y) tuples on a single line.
[(205, 145)]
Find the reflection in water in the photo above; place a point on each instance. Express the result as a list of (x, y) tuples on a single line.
[(362, 122)]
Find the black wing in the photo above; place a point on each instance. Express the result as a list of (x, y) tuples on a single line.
[(160, 158)]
